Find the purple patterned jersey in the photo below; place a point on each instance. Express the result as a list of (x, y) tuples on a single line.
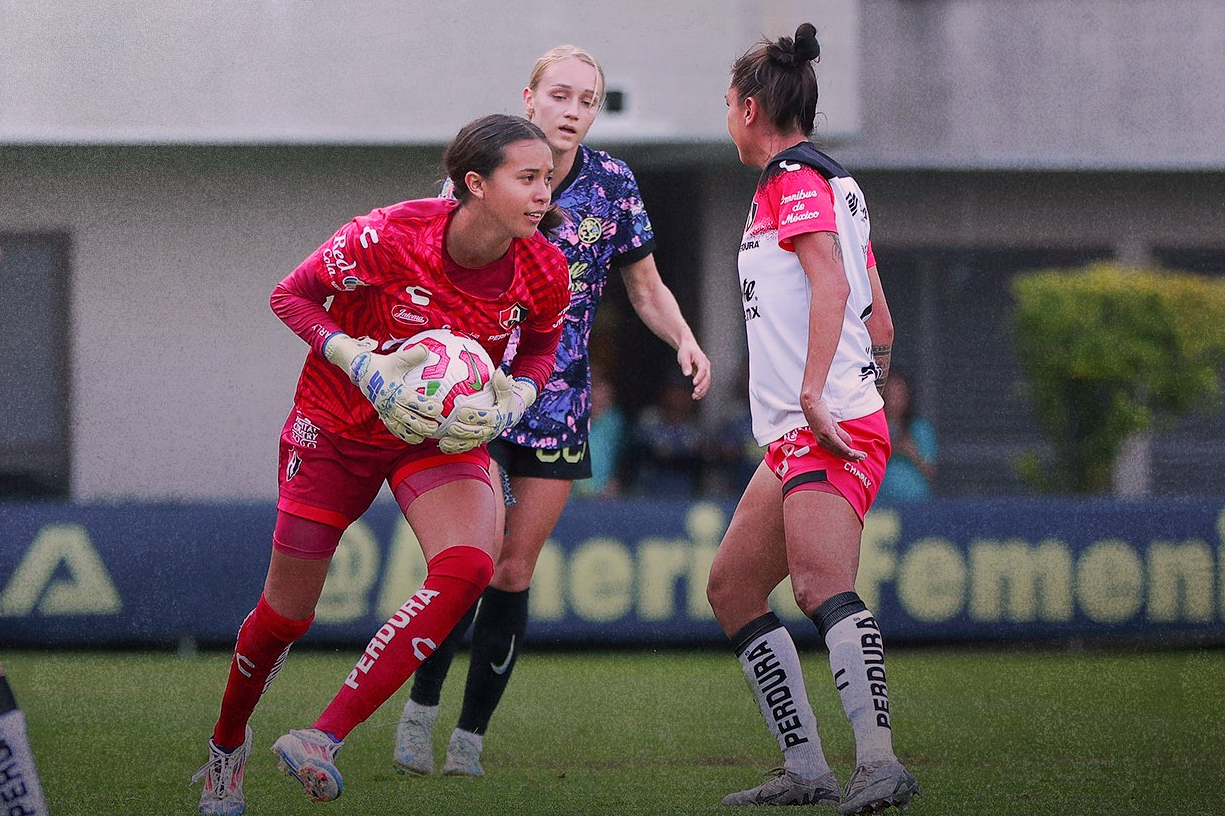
[(606, 226)]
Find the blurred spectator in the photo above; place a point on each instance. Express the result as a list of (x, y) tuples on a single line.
[(735, 450), (668, 442), (606, 440), (912, 465)]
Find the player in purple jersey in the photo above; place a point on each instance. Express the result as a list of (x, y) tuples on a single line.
[(607, 228)]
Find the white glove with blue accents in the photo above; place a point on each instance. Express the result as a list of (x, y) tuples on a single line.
[(410, 416), (473, 427)]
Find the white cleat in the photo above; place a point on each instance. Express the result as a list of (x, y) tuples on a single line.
[(222, 775), (414, 753), (309, 756), (876, 786), (787, 788), (464, 754)]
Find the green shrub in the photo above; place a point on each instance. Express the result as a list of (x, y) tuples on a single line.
[(1108, 352)]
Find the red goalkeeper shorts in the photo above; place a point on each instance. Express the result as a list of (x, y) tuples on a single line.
[(327, 478)]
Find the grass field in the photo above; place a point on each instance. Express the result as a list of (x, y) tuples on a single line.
[(986, 732)]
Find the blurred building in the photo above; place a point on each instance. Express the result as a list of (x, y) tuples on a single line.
[(163, 166)]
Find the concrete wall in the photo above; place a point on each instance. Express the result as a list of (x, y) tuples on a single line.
[(1042, 84), (379, 72)]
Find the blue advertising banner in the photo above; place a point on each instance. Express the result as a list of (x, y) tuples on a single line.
[(627, 572)]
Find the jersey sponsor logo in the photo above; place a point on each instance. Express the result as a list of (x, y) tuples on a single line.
[(747, 288), (852, 202), (578, 273), (338, 266), (305, 434), (292, 468), (419, 295), (512, 316), (747, 245), (863, 478), (590, 229), (874, 662), (794, 217), (405, 315), (774, 689), (420, 645), (798, 196), (413, 607), (369, 236)]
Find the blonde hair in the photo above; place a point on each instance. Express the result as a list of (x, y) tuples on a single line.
[(561, 52)]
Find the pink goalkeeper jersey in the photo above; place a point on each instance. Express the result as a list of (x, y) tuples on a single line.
[(390, 277), (803, 190)]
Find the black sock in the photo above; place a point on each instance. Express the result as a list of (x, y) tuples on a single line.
[(497, 639), (430, 675)]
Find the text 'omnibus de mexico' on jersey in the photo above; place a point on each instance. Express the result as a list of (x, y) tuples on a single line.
[(606, 226), (390, 277), (803, 190)]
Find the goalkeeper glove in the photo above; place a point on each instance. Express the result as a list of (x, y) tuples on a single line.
[(380, 378), (472, 427)]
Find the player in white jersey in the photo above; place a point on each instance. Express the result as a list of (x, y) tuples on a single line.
[(819, 336)]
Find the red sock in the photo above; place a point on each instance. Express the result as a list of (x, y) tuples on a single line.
[(263, 643), (457, 577)]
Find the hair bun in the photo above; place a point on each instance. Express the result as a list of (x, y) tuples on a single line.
[(807, 48)]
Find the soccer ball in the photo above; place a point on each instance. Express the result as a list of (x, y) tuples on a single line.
[(457, 371)]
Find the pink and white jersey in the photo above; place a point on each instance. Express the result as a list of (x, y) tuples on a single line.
[(803, 190)]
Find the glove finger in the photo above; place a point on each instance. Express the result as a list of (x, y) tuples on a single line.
[(460, 430), (412, 356), (419, 403), (503, 386), (402, 432), (472, 416), (452, 445), (415, 422)]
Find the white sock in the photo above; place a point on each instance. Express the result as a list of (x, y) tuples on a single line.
[(772, 666), (857, 661), (420, 713)]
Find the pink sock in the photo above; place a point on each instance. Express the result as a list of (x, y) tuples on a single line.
[(457, 577), (263, 643)]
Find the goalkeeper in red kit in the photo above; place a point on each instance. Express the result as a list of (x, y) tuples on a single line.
[(478, 265)]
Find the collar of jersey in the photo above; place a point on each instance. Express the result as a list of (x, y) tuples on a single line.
[(580, 159)]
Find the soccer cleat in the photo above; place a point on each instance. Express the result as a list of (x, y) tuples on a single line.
[(222, 776), (414, 752), (788, 788), (309, 756), (877, 786), (464, 754)]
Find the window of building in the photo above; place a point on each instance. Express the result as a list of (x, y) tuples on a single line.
[(35, 453)]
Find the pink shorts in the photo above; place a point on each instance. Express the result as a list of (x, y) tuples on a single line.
[(332, 480), (801, 464)]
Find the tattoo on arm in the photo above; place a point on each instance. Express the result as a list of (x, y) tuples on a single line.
[(837, 247), (882, 355)]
